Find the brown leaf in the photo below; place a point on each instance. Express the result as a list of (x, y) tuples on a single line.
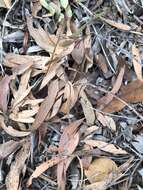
[(137, 62), (105, 146), (69, 96), (15, 60), (78, 52), (87, 108), (43, 167), (118, 25), (46, 105), (7, 148), (68, 142), (4, 92), (109, 97), (12, 132), (12, 179), (99, 169), (132, 93), (60, 46)]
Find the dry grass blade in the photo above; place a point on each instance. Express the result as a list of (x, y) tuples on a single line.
[(105, 146), (12, 179), (43, 167), (47, 104), (137, 62)]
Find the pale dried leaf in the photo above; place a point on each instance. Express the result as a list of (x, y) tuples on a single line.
[(43, 167), (87, 108), (78, 52), (7, 3), (47, 104), (12, 179), (8, 147), (118, 25), (4, 91), (137, 62), (38, 62), (11, 131), (105, 146)]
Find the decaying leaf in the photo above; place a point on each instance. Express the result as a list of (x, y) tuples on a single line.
[(43, 167), (105, 146), (4, 92), (12, 179), (87, 108), (132, 93), (47, 104), (137, 62), (118, 25), (99, 169), (8, 147)]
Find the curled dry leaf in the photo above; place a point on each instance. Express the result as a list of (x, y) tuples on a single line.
[(137, 62), (12, 179), (47, 104), (87, 108), (118, 25), (4, 92), (43, 167), (105, 146), (8, 147), (132, 93), (100, 168)]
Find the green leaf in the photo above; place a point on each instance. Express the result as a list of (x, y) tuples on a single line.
[(69, 11), (64, 3)]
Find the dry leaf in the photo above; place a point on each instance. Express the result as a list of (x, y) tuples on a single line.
[(43, 167), (56, 107), (7, 148), (99, 169), (69, 96), (12, 179), (68, 142), (5, 3), (15, 60), (4, 92), (137, 62), (118, 25), (23, 90), (78, 52), (132, 93), (105, 146), (109, 97), (87, 108), (46, 105), (106, 121), (48, 42)]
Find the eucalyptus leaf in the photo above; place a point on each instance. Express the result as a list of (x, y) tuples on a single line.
[(64, 3)]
